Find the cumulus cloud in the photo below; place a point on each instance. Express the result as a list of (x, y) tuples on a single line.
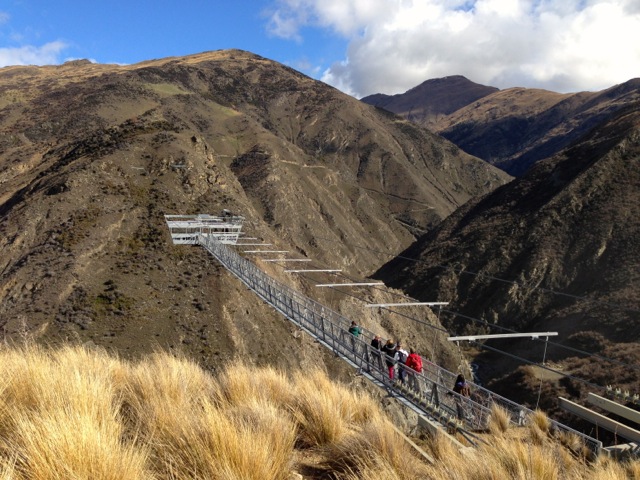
[(560, 45), (47, 54)]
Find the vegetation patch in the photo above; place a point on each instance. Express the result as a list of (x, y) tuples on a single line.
[(111, 302), (74, 412), (166, 89)]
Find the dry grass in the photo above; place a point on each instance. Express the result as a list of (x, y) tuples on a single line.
[(539, 419), (325, 418), (539, 427), (78, 413), (523, 454), (241, 383), (375, 447), (61, 419), (499, 420)]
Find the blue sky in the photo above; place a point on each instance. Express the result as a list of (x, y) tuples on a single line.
[(359, 46), (133, 31)]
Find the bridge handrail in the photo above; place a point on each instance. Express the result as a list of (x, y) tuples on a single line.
[(430, 392)]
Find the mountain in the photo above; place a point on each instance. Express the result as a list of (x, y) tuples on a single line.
[(93, 156), (515, 128), (557, 249), (512, 128), (433, 100)]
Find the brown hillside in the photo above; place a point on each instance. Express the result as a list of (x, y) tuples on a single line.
[(92, 157), (511, 135), (571, 225), (432, 101), (512, 128)]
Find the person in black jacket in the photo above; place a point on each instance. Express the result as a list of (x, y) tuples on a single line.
[(376, 347), (461, 387), (390, 352)]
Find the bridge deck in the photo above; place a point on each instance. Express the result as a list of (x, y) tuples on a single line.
[(427, 393)]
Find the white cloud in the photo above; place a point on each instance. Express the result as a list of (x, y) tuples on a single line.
[(561, 45), (47, 54), (344, 17)]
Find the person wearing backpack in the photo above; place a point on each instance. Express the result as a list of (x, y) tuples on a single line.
[(355, 332), (414, 362), (401, 356), (461, 387), (376, 348), (389, 351)]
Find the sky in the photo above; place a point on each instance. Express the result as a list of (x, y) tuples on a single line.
[(359, 46)]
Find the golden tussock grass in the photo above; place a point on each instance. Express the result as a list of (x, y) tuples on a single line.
[(499, 420), (61, 418), (241, 383), (325, 410), (375, 447), (540, 420), (78, 413), (523, 454)]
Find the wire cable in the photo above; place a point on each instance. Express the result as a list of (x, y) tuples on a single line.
[(484, 322), (491, 277), (499, 327)]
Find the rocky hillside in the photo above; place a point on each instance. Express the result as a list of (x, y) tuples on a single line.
[(92, 157), (432, 101), (555, 250), (516, 127)]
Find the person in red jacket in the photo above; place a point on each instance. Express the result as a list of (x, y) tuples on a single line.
[(414, 362)]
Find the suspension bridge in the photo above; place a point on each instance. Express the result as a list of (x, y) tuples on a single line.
[(429, 394)]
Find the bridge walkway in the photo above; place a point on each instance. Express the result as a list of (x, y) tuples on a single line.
[(429, 393)]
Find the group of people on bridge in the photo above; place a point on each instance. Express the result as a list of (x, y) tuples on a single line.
[(401, 365)]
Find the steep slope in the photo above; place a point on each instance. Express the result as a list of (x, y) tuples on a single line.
[(571, 225), (512, 128), (432, 101), (515, 128), (92, 156)]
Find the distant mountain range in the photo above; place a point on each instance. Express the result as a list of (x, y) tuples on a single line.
[(512, 128), (557, 249)]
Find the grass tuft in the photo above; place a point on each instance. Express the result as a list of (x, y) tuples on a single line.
[(376, 446), (541, 420), (499, 420)]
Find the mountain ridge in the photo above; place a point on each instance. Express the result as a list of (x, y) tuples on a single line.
[(441, 101), (516, 127)]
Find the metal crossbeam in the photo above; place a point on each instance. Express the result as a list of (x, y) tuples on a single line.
[(312, 270), (265, 251), (600, 420), (355, 284), (614, 407), (472, 338), (406, 304), (287, 260)]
